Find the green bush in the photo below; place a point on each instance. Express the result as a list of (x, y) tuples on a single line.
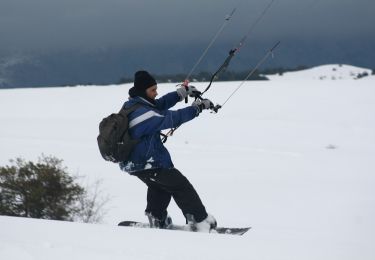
[(45, 190)]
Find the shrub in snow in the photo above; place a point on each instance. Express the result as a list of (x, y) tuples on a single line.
[(46, 190), (362, 75)]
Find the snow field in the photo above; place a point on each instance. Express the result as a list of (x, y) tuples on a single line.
[(294, 159)]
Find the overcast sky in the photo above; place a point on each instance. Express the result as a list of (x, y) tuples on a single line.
[(62, 24)]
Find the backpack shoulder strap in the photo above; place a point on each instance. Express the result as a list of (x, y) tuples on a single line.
[(127, 111)]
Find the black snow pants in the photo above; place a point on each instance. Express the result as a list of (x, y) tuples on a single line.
[(163, 184)]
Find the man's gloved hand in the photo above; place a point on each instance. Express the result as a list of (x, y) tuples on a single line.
[(200, 105), (185, 91), (192, 91)]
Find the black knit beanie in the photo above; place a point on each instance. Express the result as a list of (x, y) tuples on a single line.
[(142, 81)]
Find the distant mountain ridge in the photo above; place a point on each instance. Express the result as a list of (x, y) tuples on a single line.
[(108, 65), (324, 72)]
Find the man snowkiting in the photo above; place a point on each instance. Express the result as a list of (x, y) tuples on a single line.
[(151, 162)]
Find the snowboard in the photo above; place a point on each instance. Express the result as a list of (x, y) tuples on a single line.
[(217, 230)]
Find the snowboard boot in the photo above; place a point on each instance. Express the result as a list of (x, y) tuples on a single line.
[(206, 225), (159, 223)]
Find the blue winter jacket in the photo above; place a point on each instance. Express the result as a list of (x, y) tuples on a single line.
[(145, 124)]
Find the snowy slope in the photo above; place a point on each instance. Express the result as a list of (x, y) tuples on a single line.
[(292, 159), (324, 72), (45, 240)]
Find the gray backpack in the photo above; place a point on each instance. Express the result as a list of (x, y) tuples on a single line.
[(114, 141)]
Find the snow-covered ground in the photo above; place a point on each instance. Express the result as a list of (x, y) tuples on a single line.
[(293, 159)]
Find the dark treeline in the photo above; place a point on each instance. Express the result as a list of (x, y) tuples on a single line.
[(225, 76)]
